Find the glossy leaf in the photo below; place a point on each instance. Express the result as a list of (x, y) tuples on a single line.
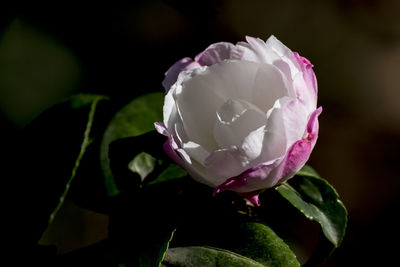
[(134, 119), (153, 256), (53, 146), (318, 201), (206, 257), (143, 164), (172, 172), (76, 102), (260, 243)]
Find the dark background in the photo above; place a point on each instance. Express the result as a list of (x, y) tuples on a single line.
[(123, 48)]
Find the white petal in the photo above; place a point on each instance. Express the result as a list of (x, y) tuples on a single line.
[(225, 163), (269, 85), (252, 145), (287, 62), (170, 113), (217, 53), (206, 90), (273, 139), (195, 151), (261, 50), (235, 120), (295, 119), (200, 174)]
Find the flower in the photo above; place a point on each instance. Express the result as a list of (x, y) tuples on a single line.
[(241, 117)]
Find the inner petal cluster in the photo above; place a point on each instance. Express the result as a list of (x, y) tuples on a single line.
[(235, 119), (225, 108)]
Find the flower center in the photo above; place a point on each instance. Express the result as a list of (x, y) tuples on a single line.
[(235, 119)]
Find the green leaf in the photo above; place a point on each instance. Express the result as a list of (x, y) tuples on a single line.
[(318, 201), (172, 172), (134, 119), (78, 101), (260, 243), (154, 255), (53, 147), (206, 257), (143, 164), (35, 71)]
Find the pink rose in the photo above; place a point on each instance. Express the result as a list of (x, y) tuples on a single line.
[(241, 117)]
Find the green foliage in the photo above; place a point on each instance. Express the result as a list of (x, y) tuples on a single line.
[(207, 257), (154, 255), (77, 102), (260, 243), (134, 119), (54, 145), (318, 201), (142, 164), (172, 172), (150, 200)]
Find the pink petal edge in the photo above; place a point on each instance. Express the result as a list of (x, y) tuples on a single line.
[(296, 157), (173, 72), (169, 145)]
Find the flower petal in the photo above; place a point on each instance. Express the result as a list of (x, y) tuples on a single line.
[(170, 149), (269, 85), (172, 73), (225, 163), (286, 60), (198, 100), (294, 118), (217, 53), (255, 178), (300, 151), (305, 83), (235, 120), (195, 151), (170, 112)]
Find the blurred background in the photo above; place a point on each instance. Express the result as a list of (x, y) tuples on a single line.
[(51, 51)]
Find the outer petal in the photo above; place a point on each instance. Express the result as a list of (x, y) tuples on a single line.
[(295, 118), (268, 174), (225, 163), (286, 61), (172, 73), (306, 84), (261, 54), (218, 52), (170, 145), (300, 151), (255, 178)]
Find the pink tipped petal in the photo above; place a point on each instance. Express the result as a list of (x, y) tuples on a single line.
[(170, 149), (303, 62), (295, 159), (308, 73), (161, 129), (251, 179), (313, 125), (253, 197), (286, 60), (173, 72), (217, 53), (301, 150)]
